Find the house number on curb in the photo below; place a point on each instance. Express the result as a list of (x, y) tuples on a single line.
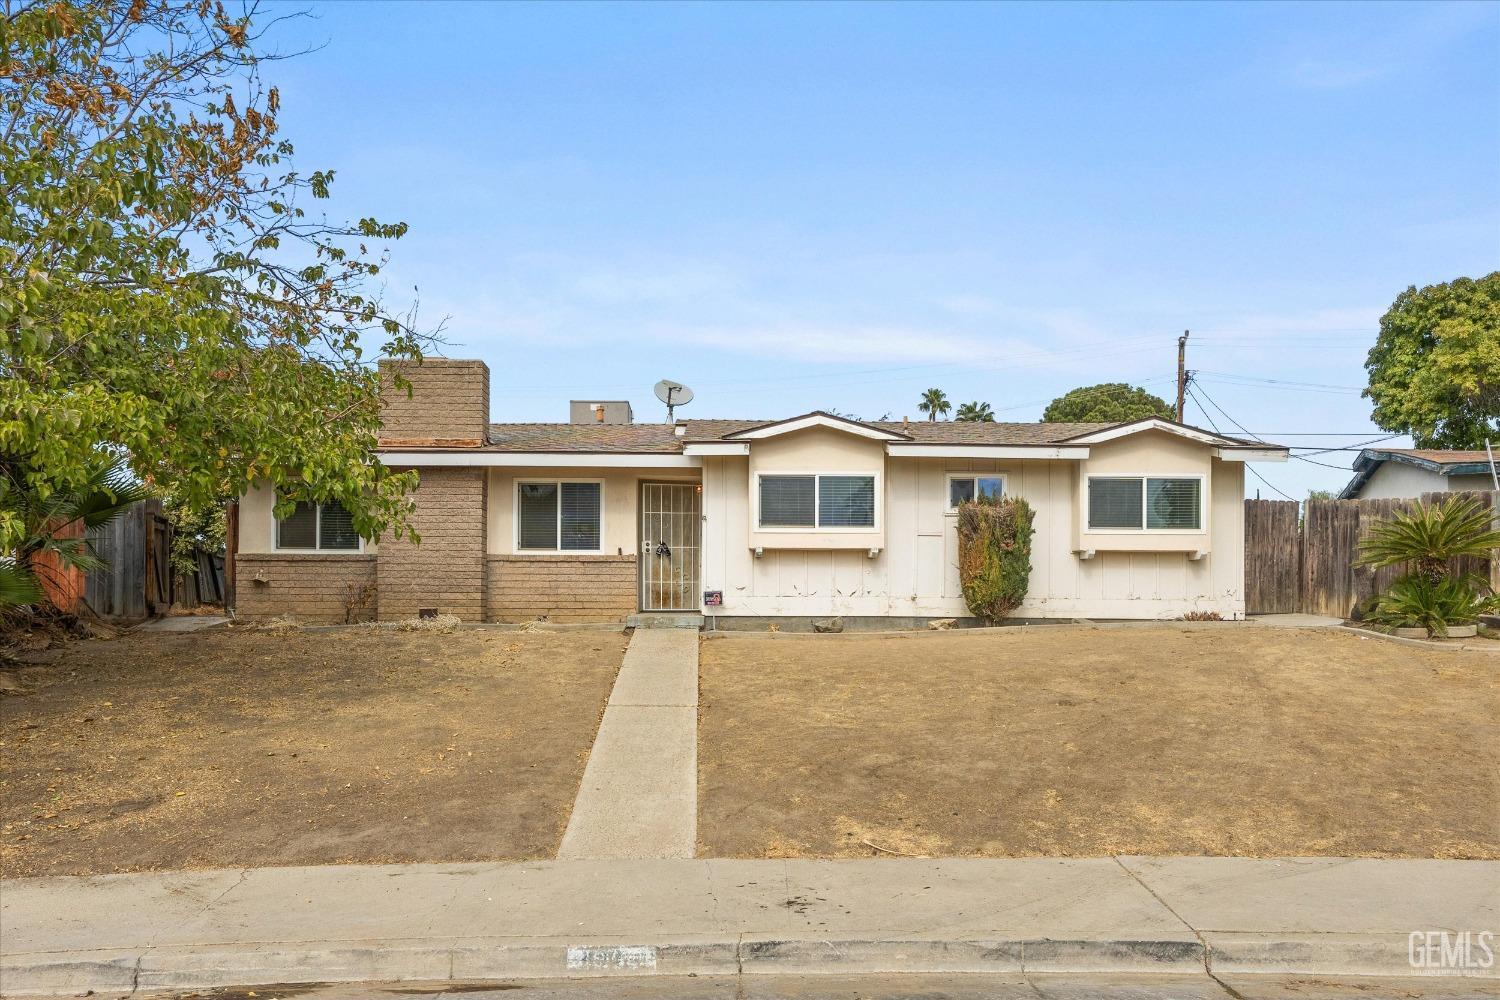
[(612, 957)]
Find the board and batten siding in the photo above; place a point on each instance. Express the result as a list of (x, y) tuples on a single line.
[(916, 573)]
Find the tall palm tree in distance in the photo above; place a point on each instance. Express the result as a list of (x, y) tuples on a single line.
[(934, 402), (975, 413)]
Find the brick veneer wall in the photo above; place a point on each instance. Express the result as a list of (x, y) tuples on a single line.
[(449, 406), (561, 588), (319, 589), (446, 571)]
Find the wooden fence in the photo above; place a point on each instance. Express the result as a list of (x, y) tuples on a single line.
[(1307, 564), (137, 580)]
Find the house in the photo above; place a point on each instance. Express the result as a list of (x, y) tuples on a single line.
[(753, 520), (1380, 473)]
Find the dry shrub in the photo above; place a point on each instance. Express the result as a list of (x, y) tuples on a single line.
[(441, 624), (1202, 616), (281, 625), (994, 555)]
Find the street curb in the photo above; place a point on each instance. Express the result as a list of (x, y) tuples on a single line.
[(211, 966)]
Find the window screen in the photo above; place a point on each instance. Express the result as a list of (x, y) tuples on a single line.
[(846, 501), (787, 502), (960, 491), (1173, 503), (1114, 503), (300, 530), (536, 512), (580, 516), (335, 527)]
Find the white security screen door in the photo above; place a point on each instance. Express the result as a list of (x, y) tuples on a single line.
[(671, 532)]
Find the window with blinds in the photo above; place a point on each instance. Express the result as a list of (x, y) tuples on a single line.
[(1135, 503), (1174, 504), (817, 501), (318, 527), (559, 517), (536, 513), (788, 501), (336, 527), (1115, 503), (300, 529), (580, 517), (846, 501)]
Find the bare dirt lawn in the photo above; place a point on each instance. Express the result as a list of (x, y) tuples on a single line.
[(239, 748), (1073, 741)]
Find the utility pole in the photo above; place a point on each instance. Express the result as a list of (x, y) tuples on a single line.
[(1181, 373)]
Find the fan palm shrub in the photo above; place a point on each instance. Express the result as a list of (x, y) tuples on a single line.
[(1417, 601), (1430, 534)]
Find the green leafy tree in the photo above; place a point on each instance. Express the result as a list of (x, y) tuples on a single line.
[(1434, 372), (1108, 402), (934, 403), (975, 413), (165, 291)]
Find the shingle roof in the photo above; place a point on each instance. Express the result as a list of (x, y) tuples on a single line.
[(622, 438), (1437, 460), (661, 438), (1438, 456)]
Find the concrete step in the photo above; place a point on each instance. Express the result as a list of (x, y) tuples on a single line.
[(665, 619)]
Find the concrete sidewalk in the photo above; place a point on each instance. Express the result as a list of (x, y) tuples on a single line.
[(1226, 916), (639, 793)]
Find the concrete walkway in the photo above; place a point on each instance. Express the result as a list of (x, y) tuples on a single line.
[(639, 794), (452, 922)]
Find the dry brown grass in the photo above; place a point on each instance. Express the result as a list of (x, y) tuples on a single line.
[(1073, 741), (249, 747)]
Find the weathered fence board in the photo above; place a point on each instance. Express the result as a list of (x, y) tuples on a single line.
[(1273, 556), (119, 590), (1310, 566)]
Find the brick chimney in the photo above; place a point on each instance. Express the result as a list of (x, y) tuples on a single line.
[(449, 406)]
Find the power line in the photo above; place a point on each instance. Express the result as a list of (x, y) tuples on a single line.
[(1248, 467)]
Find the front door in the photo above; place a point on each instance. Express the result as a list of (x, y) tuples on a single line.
[(671, 533)]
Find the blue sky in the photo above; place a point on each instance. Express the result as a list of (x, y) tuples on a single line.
[(796, 207)]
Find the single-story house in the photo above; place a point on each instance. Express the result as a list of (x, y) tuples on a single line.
[(1382, 473), (601, 518)]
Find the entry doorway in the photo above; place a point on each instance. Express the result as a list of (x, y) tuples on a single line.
[(671, 546)]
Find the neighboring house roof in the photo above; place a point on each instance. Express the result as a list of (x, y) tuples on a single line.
[(1434, 460), (665, 439)]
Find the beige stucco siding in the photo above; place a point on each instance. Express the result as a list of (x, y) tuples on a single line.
[(620, 528), (258, 523), (1397, 480), (1148, 454), (817, 450)]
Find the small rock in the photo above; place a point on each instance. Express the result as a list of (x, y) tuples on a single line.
[(828, 625), (942, 624)]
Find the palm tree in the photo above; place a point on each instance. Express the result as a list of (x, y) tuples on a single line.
[(975, 413), (1430, 534), (934, 401), (107, 493)]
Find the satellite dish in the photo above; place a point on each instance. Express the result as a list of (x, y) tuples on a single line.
[(674, 394)]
